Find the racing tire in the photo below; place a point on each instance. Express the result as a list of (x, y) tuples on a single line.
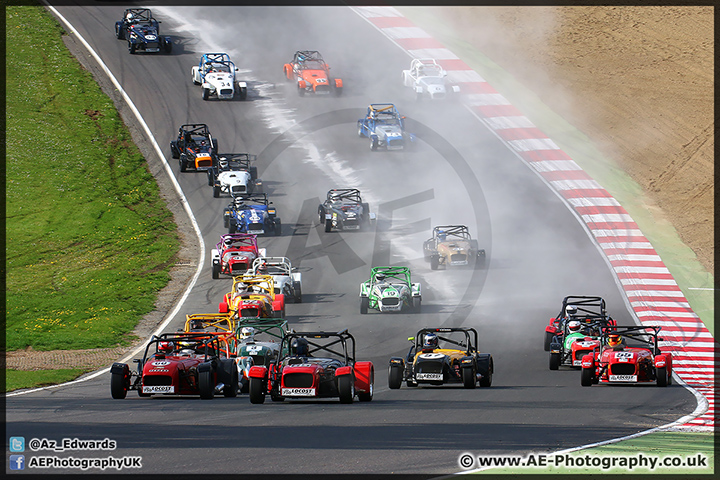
[(367, 397), (131, 48), (346, 389), (661, 376), (297, 290), (257, 392), (434, 262), (243, 93), (232, 389), (364, 304), (554, 362), (486, 380), (548, 340), (360, 130), (211, 180), (174, 151), (183, 163), (301, 92), (195, 82), (205, 385), (328, 226), (338, 91), (168, 47), (216, 271), (232, 226), (215, 145), (118, 389), (119, 32), (417, 304), (226, 219), (395, 374), (277, 228), (586, 377), (321, 214), (469, 378), (373, 144), (205, 93), (216, 191)]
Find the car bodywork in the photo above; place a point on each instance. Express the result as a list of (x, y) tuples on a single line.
[(234, 254), (301, 374), (287, 280), (590, 310), (197, 365), (427, 79), (385, 127), (311, 73), (233, 175), (637, 360), (253, 296), (252, 213), (459, 361), (195, 147), (390, 289), (344, 209), (452, 245), (216, 73), (142, 32)]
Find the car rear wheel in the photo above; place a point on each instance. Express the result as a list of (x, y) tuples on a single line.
[(360, 130), (586, 377), (205, 385), (131, 48), (662, 376), (548, 340), (277, 229), (216, 271), (216, 191), (364, 304), (232, 226), (297, 290), (119, 32), (205, 93), (257, 392), (183, 163), (118, 390), (373, 144), (417, 304), (328, 225), (346, 389), (243, 93), (469, 377), (554, 361), (232, 389), (395, 376), (368, 396), (434, 262), (168, 46), (301, 91)]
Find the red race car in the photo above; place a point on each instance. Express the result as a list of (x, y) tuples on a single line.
[(297, 373), (180, 364), (234, 254), (311, 73), (628, 355)]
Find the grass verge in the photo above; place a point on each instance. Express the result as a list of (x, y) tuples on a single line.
[(89, 241), (17, 379)]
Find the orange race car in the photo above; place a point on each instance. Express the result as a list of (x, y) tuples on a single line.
[(311, 73)]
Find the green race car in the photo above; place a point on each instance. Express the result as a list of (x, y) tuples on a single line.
[(390, 290)]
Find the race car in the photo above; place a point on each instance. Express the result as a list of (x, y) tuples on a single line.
[(427, 79), (390, 290), (287, 280), (628, 355), (233, 175), (253, 296), (302, 373), (429, 364), (142, 32), (258, 343), (311, 73), (179, 363), (195, 147), (344, 209), (234, 254), (586, 309), (385, 128), (452, 245), (577, 339), (252, 214), (216, 74)]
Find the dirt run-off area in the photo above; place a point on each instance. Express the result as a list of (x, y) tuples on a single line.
[(636, 80)]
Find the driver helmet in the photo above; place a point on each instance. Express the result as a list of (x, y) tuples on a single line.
[(228, 241), (614, 339), (442, 235), (299, 347), (574, 326), (129, 17), (247, 333), (431, 341), (570, 310), (166, 347), (239, 201), (380, 277)]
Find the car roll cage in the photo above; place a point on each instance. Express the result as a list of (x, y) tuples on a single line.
[(342, 337), (254, 280), (402, 274), (588, 307), (210, 343), (267, 326), (352, 194), (139, 15), (458, 231), (638, 333), (253, 199), (239, 240), (188, 130), (281, 264), (235, 161), (469, 346), (221, 322)]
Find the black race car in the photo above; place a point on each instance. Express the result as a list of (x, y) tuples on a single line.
[(344, 209), (142, 32), (194, 147), (429, 363), (234, 175)]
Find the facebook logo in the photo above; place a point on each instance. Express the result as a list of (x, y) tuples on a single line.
[(17, 444), (17, 462)]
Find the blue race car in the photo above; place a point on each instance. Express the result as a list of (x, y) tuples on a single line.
[(252, 214), (385, 127), (142, 32)]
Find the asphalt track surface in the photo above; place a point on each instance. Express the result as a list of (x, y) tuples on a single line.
[(458, 173)]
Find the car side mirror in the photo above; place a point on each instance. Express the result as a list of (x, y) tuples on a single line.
[(411, 339)]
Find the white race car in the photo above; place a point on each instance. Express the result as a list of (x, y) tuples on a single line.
[(234, 175), (287, 281), (427, 78), (216, 74)]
